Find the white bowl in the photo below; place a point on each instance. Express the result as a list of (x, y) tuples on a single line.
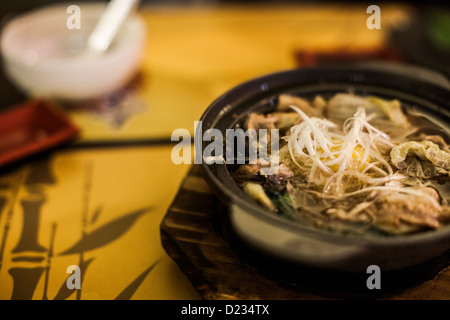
[(42, 55)]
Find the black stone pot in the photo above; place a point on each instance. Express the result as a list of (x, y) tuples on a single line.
[(297, 244)]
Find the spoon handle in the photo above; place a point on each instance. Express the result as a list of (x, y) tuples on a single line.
[(109, 24)]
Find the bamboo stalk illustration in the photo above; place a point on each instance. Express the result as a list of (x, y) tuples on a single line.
[(10, 212), (49, 261), (98, 237), (84, 219)]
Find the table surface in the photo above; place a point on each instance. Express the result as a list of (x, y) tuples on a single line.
[(101, 208)]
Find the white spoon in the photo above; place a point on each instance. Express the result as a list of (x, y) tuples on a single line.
[(109, 24)]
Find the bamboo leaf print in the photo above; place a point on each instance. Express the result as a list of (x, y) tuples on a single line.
[(106, 233), (128, 292)]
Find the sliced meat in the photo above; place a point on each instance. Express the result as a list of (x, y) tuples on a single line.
[(396, 209), (437, 139), (397, 212), (320, 104), (279, 180), (252, 172), (260, 121), (285, 101), (247, 172), (276, 120)]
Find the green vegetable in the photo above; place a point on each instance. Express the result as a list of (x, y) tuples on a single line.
[(282, 201)]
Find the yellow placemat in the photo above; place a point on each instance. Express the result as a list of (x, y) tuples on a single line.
[(99, 210)]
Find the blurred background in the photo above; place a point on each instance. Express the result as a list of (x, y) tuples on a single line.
[(415, 32)]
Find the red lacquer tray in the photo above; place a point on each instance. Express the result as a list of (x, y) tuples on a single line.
[(32, 127)]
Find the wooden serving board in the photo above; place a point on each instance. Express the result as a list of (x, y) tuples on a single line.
[(194, 233)]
